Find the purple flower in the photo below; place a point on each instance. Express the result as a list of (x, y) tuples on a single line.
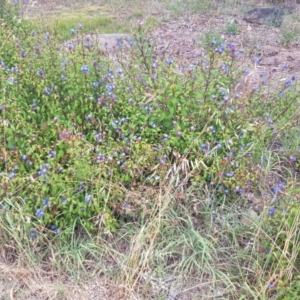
[(89, 118), (271, 286), (23, 53), (84, 69), (41, 73), (126, 206), (169, 61), (288, 83), (46, 202), (39, 213), (278, 188), (12, 175), (47, 36), (272, 212), (63, 77), (88, 198), (256, 60), (52, 227), (32, 234), (52, 154), (229, 174)]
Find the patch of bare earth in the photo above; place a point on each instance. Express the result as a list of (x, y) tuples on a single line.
[(184, 38)]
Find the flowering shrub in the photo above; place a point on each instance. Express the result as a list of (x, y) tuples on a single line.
[(79, 130)]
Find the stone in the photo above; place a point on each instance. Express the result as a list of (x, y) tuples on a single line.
[(105, 42), (250, 217), (270, 16)]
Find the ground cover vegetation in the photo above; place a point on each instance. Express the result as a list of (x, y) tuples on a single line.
[(146, 151)]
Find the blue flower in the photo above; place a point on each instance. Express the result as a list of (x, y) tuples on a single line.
[(278, 188), (52, 154), (41, 73), (12, 175), (84, 69), (256, 59), (88, 198), (39, 213), (63, 77), (169, 61), (89, 118), (63, 199), (126, 206), (229, 174), (80, 186), (52, 227), (288, 83), (23, 53), (271, 286), (32, 234), (272, 212), (46, 202)]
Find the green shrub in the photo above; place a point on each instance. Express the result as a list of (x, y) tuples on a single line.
[(79, 132)]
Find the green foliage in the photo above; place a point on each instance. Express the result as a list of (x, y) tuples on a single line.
[(211, 36), (9, 13), (231, 28), (281, 245), (289, 35), (78, 132)]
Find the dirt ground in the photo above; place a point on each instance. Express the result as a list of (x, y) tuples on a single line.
[(183, 35)]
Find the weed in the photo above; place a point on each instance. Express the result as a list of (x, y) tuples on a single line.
[(231, 28)]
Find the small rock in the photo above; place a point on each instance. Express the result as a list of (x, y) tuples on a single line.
[(249, 217), (105, 42), (269, 16)]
